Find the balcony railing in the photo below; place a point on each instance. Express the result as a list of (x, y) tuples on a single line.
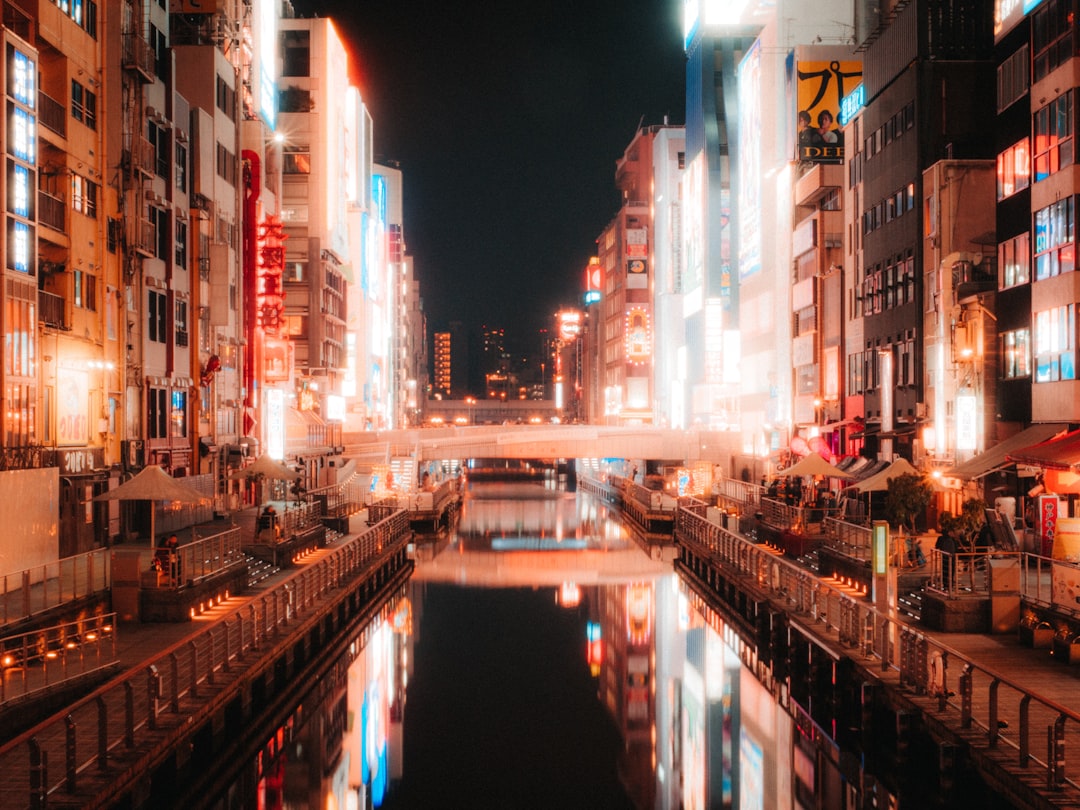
[(52, 115), (139, 57), (52, 310), (52, 212)]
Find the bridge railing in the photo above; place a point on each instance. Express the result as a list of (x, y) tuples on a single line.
[(1000, 711), (56, 755)]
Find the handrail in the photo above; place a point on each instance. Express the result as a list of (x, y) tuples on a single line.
[(194, 562), (34, 590), (1010, 712), (83, 736), (43, 659)]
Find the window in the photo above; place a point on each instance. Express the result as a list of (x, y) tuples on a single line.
[(1052, 35), (1016, 354), (160, 43), (226, 98), (1013, 78), (1055, 235), (157, 416), (84, 196), (1014, 262), (296, 160), (1053, 129), (82, 12), (180, 322), (296, 53), (115, 235), (180, 167), (83, 105), (85, 290), (180, 252), (1013, 169), (226, 164), (178, 413), (160, 218), (159, 140), (1055, 344), (156, 317)]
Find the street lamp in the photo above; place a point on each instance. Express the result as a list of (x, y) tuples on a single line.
[(470, 401)]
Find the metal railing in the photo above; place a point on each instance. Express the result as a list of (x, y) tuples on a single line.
[(194, 562), (34, 590), (43, 659), (1001, 711), (55, 755)]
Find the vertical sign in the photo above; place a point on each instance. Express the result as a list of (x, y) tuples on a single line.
[(1046, 525)]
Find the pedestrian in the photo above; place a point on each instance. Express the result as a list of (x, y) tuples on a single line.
[(946, 545)]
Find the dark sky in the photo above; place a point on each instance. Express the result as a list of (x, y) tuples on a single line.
[(506, 120)]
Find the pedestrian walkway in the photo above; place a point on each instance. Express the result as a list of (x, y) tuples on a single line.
[(174, 672)]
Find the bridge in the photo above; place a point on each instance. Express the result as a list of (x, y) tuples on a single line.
[(542, 442)]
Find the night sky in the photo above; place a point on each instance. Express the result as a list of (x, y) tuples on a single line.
[(506, 120)]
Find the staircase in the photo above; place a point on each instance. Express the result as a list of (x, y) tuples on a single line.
[(909, 604), (259, 570)]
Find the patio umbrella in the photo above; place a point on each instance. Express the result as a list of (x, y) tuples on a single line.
[(153, 484), (814, 464), (267, 468)]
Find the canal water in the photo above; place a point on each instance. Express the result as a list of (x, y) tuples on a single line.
[(542, 658)]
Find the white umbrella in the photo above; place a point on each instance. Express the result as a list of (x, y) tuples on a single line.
[(153, 484), (879, 482), (814, 464), (267, 468)]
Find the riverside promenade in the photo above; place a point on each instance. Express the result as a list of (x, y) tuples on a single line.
[(144, 735)]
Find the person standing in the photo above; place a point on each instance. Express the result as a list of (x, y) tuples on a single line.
[(946, 544)]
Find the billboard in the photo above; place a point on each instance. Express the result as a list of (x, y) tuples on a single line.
[(821, 87)]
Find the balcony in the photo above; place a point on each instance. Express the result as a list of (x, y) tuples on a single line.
[(141, 156), (139, 57), (52, 311), (52, 115), (145, 237), (52, 212)]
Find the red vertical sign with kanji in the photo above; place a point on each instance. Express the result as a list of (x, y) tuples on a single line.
[(270, 306), (1047, 523)]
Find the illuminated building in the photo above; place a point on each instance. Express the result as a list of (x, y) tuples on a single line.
[(1036, 196), (624, 314), (922, 201), (739, 216)]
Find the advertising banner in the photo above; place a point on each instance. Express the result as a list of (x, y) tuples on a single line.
[(821, 88)]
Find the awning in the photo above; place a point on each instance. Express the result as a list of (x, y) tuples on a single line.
[(998, 456), (879, 481), (1056, 454)]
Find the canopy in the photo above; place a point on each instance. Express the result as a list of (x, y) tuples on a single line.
[(153, 484), (814, 464), (996, 457), (879, 482), (1056, 454), (268, 468)]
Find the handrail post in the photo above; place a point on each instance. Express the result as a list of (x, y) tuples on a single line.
[(70, 771), (1025, 735), (153, 693), (129, 714), (174, 676), (38, 775), (103, 734)]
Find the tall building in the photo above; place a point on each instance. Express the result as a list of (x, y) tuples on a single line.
[(624, 313)]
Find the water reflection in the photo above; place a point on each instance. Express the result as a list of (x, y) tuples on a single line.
[(556, 665)]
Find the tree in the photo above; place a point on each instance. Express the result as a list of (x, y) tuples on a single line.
[(966, 526), (907, 498)]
